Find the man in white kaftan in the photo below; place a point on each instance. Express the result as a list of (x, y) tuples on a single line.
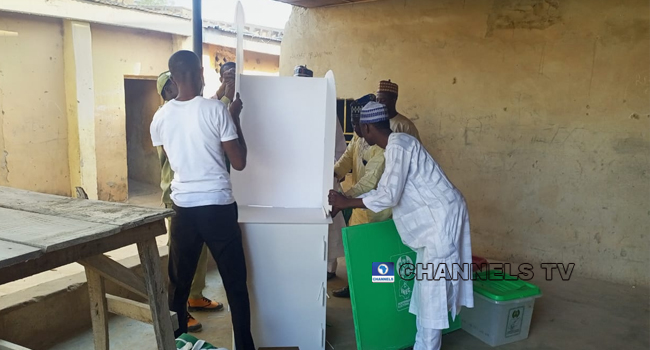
[(431, 217)]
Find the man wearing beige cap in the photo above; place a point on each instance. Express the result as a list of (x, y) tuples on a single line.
[(387, 95)]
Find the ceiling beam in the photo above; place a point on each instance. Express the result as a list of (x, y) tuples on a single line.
[(322, 3)]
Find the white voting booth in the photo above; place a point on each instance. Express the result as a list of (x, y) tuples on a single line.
[(289, 126)]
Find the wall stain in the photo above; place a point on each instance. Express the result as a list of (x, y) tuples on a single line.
[(4, 167), (631, 145), (523, 14), (473, 129)]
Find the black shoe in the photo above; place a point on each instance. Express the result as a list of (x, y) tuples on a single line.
[(331, 275), (342, 293)]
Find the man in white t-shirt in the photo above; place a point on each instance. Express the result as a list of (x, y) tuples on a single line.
[(197, 134)]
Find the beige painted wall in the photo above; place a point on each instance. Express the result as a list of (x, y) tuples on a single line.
[(118, 53), (33, 124), (538, 112), (253, 62)]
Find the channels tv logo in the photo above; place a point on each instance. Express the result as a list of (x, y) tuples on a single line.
[(383, 272)]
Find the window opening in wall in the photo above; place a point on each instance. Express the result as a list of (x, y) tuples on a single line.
[(344, 114)]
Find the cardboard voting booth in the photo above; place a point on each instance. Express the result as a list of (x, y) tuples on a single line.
[(381, 310), (289, 126)]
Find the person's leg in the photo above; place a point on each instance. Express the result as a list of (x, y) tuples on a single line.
[(334, 244), (332, 264), (197, 301), (219, 228), (198, 284), (184, 249), (427, 338), (358, 217)]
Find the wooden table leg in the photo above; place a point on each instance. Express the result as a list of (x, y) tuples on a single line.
[(157, 291), (98, 309)]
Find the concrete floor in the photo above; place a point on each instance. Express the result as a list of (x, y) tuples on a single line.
[(577, 314)]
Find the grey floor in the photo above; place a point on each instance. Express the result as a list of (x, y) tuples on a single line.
[(577, 314)]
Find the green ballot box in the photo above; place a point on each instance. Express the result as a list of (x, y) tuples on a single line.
[(381, 310)]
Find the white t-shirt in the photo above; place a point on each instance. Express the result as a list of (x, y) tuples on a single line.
[(191, 133)]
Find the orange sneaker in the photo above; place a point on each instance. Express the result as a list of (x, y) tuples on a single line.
[(193, 325), (203, 304)]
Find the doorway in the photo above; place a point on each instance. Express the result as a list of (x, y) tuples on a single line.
[(141, 103)]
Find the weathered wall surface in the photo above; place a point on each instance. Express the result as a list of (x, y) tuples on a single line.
[(538, 110), (33, 124), (120, 53)]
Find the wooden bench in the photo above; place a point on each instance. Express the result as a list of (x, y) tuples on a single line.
[(39, 232)]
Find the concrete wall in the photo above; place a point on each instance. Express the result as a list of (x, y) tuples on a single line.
[(34, 145), (120, 53), (537, 110), (33, 125), (142, 102)]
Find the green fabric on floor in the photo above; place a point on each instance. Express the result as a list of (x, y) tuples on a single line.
[(188, 342)]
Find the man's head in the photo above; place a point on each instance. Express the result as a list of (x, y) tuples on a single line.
[(356, 107), (166, 87), (387, 95), (186, 72), (228, 66), (303, 71), (374, 122)]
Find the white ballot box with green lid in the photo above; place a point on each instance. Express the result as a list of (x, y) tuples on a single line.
[(289, 126), (503, 308)]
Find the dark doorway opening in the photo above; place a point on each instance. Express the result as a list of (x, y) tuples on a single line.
[(141, 102)]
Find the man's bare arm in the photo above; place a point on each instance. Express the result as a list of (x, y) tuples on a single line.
[(236, 150)]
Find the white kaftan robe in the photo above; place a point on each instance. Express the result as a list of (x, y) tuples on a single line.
[(431, 217)]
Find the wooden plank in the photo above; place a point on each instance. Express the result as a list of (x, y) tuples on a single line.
[(119, 214), (116, 272), (12, 253), (5, 345), (162, 325), (98, 309), (135, 310), (69, 255), (49, 232)]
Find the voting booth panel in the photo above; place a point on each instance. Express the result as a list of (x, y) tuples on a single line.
[(284, 122), (282, 199)]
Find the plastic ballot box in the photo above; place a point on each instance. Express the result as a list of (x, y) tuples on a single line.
[(380, 307)]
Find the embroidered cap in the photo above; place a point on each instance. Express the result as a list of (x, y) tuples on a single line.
[(388, 86), (373, 112), (358, 104)]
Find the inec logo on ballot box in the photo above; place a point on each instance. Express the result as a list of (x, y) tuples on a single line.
[(383, 272)]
